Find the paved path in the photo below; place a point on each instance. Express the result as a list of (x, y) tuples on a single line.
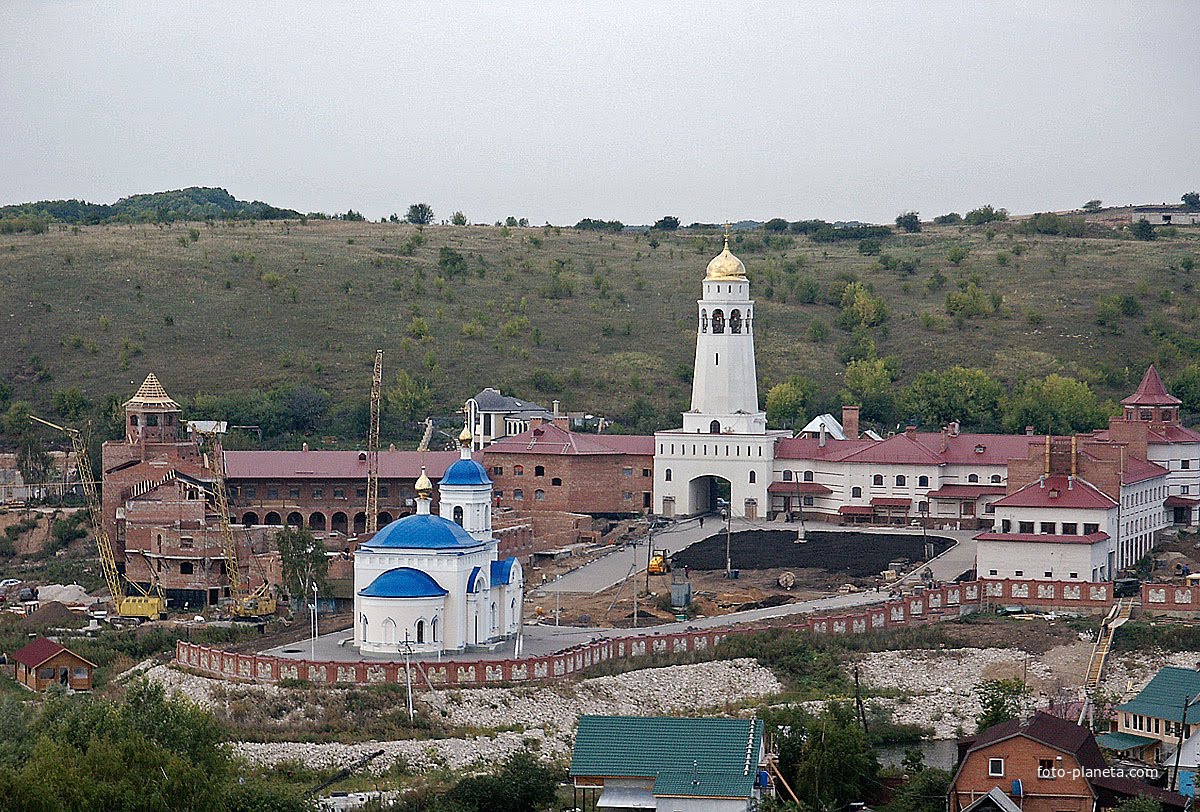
[(540, 640)]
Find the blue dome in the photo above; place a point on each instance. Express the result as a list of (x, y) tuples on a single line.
[(502, 571), (403, 582), (422, 532), (465, 472)]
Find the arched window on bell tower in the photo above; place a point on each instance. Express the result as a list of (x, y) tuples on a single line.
[(704, 321), (735, 322), (718, 322), (714, 427)]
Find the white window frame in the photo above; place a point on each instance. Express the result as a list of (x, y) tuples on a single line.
[(992, 770)]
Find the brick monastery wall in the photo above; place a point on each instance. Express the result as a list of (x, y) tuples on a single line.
[(944, 603)]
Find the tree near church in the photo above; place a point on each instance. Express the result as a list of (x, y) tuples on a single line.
[(1055, 404), (788, 402), (668, 223), (828, 758), (910, 221), (868, 383), (303, 560), (1143, 230), (1191, 200), (458, 219), (409, 399), (419, 214), (958, 393), (1000, 700)]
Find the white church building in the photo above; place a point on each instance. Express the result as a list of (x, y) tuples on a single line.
[(435, 583), (724, 435)]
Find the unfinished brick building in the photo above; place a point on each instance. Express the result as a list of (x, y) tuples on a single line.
[(549, 468)]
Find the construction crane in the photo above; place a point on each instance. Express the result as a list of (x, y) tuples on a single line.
[(246, 603), (149, 603), (373, 446)]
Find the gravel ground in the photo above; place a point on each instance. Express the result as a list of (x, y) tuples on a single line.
[(546, 715)]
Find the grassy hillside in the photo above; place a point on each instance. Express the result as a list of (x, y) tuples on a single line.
[(598, 320)]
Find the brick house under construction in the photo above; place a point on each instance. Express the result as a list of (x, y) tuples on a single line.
[(158, 502)]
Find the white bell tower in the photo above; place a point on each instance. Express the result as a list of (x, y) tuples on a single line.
[(724, 380), (724, 435)]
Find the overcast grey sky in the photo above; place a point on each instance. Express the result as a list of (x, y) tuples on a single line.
[(557, 111)]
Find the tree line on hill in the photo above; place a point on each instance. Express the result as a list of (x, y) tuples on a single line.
[(196, 203)]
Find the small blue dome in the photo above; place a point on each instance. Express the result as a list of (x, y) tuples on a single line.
[(422, 532), (403, 582), (465, 472), (502, 571)]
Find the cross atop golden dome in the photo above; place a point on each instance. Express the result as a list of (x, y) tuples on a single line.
[(423, 486), (465, 436), (725, 265)]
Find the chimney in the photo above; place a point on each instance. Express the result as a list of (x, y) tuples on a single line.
[(945, 439), (556, 408), (954, 429), (304, 447), (821, 439), (1071, 482), (910, 430), (560, 419), (1029, 431), (535, 422), (1042, 481), (850, 421)]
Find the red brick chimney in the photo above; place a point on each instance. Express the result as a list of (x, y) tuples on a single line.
[(561, 420), (850, 421)]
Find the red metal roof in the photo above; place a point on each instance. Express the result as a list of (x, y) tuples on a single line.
[(797, 487), (966, 492), (891, 501), (1139, 470), (1181, 501), (856, 510), (1151, 392), (1049, 538), (335, 464), (551, 439), (1060, 491), (916, 448), (40, 650)]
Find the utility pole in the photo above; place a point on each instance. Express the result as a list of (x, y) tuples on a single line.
[(633, 583), (1187, 702), (406, 649), (649, 552), (728, 533)]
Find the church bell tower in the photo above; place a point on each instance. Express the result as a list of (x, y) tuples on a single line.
[(724, 380)]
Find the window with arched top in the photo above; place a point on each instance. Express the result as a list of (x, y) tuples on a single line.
[(539, 495), (996, 479), (735, 321), (433, 629), (518, 470), (458, 515), (753, 477), (539, 470), (718, 322), (808, 476), (667, 475), (901, 480), (714, 427), (787, 476), (973, 478), (704, 321), (922, 482), (420, 631), (856, 492), (877, 479)]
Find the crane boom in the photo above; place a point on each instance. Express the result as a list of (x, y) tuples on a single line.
[(373, 446), (145, 605), (245, 602)]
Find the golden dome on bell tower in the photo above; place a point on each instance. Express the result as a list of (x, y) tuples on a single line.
[(725, 265)]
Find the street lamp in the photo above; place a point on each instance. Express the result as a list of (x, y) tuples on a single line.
[(314, 621), (728, 511)]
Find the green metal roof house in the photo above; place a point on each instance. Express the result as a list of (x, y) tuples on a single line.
[(669, 764), (1148, 724)]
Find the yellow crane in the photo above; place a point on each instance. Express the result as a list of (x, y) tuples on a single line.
[(149, 603), (246, 603), (373, 446)]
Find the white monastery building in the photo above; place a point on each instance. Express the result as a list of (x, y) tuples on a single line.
[(1065, 508), (436, 583)]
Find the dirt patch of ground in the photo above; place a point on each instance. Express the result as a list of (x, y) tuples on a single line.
[(856, 555)]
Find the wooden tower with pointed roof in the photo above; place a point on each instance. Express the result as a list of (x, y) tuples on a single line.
[(151, 416)]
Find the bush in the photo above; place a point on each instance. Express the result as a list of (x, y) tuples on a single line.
[(909, 221), (1142, 230), (956, 254), (985, 214), (951, 219), (870, 248)]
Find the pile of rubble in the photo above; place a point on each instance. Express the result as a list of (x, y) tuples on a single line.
[(544, 716), (671, 690)]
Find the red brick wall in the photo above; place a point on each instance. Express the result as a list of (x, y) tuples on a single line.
[(1021, 756), (590, 483)]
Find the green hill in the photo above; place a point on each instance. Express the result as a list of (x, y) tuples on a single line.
[(194, 203), (603, 321)]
